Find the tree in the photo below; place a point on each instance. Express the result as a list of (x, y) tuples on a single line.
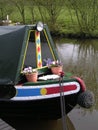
[(86, 14), (20, 5), (50, 10), (4, 9), (31, 5)]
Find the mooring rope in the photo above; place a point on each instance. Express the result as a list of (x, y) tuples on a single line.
[(62, 101)]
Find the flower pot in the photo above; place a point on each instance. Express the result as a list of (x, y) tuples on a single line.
[(32, 77), (56, 69)]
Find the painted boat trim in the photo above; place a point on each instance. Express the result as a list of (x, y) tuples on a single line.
[(45, 91)]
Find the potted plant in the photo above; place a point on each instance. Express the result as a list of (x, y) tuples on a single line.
[(55, 66), (31, 74)]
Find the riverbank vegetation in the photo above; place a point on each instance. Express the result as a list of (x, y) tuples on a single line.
[(70, 18)]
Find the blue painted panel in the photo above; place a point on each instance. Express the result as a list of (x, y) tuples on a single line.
[(28, 92)]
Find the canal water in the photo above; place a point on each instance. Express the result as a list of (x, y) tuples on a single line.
[(80, 58)]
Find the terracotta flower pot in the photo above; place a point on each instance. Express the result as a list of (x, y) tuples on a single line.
[(32, 77), (56, 70)]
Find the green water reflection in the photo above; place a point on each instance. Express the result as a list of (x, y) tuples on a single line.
[(80, 57)]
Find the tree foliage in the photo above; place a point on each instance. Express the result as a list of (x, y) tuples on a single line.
[(4, 9), (20, 5), (50, 10), (83, 13), (86, 14)]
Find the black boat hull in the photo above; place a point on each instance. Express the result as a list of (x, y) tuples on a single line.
[(38, 109)]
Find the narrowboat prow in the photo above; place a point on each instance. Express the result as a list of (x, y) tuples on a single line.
[(29, 50)]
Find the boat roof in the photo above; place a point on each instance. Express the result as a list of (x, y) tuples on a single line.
[(13, 46)]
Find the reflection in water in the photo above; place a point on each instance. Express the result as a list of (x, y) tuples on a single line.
[(81, 60), (84, 120), (80, 57), (29, 124)]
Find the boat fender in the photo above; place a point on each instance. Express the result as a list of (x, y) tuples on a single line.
[(7, 91), (86, 99)]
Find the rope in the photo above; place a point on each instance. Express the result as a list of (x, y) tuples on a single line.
[(62, 101)]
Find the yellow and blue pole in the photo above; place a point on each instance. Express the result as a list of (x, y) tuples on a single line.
[(38, 49)]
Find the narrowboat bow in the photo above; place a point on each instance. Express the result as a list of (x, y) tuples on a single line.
[(29, 45)]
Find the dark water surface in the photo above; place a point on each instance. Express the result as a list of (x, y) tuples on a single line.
[(80, 57)]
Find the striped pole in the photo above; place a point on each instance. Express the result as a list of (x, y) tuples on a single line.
[(38, 49)]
